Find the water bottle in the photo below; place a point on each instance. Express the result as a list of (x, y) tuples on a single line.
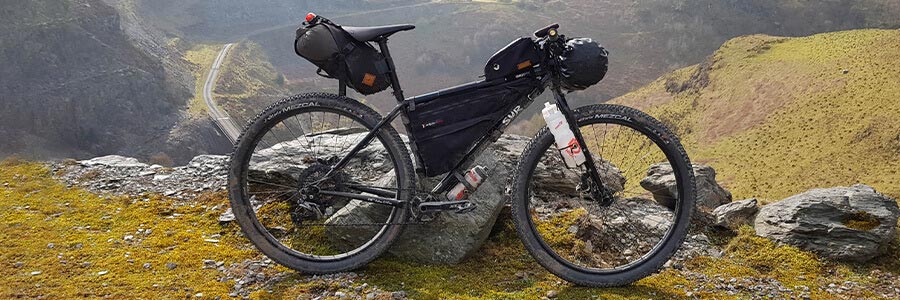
[(474, 177), (566, 142)]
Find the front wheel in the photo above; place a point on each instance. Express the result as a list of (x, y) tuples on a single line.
[(636, 225)]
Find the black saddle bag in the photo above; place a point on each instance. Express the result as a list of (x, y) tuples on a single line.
[(341, 57), (447, 127)]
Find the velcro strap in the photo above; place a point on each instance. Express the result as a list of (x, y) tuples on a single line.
[(462, 179), (349, 47)]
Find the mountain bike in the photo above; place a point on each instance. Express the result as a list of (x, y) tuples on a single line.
[(322, 183)]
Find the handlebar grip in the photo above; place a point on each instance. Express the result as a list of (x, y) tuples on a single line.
[(544, 31)]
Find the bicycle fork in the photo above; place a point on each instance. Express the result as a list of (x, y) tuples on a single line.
[(593, 173)]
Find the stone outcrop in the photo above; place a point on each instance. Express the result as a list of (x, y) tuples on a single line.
[(660, 181), (844, 223), (736, 214)]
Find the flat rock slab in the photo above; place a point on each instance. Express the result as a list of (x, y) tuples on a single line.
[(844, 223)]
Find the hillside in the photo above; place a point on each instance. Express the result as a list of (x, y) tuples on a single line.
[(74, 84), (776, 116), (248, 82)]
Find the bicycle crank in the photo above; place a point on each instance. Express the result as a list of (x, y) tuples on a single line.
[(459, 207)]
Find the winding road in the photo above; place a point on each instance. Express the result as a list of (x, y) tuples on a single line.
[(221, 118)]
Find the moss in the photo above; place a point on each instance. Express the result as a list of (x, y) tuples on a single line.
[(862, 221), (92, 233)]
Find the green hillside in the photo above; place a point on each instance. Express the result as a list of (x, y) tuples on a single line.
[(777, 116)]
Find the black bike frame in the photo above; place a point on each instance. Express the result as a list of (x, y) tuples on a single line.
[(405, 105)]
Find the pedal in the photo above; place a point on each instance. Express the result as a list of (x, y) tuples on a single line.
[(439, 206)]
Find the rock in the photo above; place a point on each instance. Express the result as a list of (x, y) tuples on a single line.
[(115, 161), (101, 273), (842, 223), (398, 295), (35, 273), (736, 214), (660, 181), (450, 237), (226, 216), (147, 265), (171, 266), (552, 294)]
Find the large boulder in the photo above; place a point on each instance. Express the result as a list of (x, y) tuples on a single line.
[(660, 181), (736, 214), (843, 223), (450, 237)]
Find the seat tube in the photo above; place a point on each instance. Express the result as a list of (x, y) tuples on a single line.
[(398, 94), (395, 82)]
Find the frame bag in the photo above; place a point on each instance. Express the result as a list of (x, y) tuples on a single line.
[(341, 57), (445, 128)]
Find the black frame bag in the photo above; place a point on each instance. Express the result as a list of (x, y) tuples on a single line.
[(446, 127), (341, 57)]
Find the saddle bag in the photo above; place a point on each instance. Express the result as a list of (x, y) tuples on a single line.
[(445, 128), (519, 56), (341, 57)]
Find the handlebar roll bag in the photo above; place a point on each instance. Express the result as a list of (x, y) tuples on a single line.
[(341, 57), (445, 128), (519, 56), (583, 63)]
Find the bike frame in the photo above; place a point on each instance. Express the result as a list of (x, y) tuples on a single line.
[(404, 105)]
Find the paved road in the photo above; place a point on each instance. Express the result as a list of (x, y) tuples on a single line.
[(221, 118)]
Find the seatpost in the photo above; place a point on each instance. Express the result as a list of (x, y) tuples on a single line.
[(395, 82)]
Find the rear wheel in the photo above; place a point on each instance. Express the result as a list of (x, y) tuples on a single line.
[(613, 234), (278, 185)]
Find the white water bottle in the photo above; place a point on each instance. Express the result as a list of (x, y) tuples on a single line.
[(474, 177), (566, 142)]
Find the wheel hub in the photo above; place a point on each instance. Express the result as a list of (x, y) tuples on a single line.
[(309, 203), (590, 190)]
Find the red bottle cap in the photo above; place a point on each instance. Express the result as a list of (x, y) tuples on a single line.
[(310, 16)]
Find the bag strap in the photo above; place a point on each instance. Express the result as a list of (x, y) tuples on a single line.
[(462, 179)]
